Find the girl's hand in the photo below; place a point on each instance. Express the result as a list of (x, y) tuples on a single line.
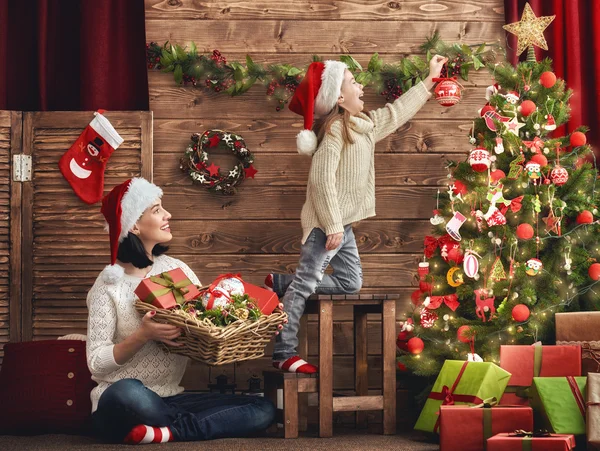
[(333, 241), (151, 330), (436, 64)]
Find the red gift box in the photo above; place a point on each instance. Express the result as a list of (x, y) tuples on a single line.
[(466, 428), (168, 289), (267, 300), (527, 362), (512, 442)]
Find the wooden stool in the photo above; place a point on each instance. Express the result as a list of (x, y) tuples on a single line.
[(292, 384)]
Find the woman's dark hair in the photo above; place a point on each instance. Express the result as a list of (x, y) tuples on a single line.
[(131, 250)]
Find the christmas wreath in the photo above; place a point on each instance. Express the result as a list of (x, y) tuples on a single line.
[(196, 163)]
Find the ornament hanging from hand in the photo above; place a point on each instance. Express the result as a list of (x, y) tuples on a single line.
[(447, 91)]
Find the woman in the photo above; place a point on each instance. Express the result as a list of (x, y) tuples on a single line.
[(138, 398)]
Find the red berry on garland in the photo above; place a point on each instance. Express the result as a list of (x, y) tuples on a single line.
[(527, 107), (525, 231), (415, 345), (594, 271), (577, 139), (547, 79), (585, 217), (520, 313), (540, 159), (464, 335)]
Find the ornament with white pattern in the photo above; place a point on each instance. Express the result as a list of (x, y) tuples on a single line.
[(559, 175), (479, 159), (428, 318)]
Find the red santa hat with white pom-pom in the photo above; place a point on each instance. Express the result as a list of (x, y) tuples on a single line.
[(316, 95), (122, 208)]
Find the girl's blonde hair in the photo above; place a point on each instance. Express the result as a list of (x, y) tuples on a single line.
[(323, 124)]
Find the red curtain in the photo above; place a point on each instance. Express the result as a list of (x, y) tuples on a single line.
[(72, 55), (572, 40)]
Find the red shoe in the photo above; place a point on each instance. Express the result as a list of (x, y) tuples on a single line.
[(142, 434), (269, 282), (296, 365)]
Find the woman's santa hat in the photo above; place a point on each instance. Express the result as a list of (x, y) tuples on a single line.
[(122, 208), (316, 95)]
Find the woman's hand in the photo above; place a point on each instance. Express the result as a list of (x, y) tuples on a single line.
[(435, 68), (151, 330), (333, 241)]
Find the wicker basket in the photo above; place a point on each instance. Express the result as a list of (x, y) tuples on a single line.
[(214, 345)]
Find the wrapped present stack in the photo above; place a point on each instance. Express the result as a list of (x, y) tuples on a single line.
[(545, 401)]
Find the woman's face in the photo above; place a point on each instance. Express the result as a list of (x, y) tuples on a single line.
[(153, 226), (351, 93)]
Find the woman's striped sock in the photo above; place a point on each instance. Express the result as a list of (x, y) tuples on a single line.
[(142, 434)]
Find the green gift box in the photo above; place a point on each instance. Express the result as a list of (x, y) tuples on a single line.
[(461, 382), (559, 404)]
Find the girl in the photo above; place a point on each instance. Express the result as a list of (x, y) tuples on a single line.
[(341, 187), (138, 398)]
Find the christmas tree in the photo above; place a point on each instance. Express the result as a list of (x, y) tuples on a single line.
[(515, 235)]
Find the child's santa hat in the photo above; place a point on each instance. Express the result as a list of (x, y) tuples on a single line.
[(317, 94), (123, 206)]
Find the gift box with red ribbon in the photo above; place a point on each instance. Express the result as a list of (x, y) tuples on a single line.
[(466, 428), (581, 328), (167, 290), (526, 362), (461, 382), (266, 300), (528, 441)]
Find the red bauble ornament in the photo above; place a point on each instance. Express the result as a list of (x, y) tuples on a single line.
[(594, 271), (547, 79), (401, 366), (459, 188), (527, 107), (464, 334), (447, 91), (455, 255), (415, 345), (428, 318), (585, 217), (497, 175), (520, 313), (577, 139), (540, 159), (479, 159), (559, 175), (525, 231), (402, 340)]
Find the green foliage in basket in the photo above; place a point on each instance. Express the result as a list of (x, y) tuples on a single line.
[(242, 307)]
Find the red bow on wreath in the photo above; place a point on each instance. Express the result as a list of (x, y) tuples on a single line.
[(451, 300), (431, 243), (515, 205)]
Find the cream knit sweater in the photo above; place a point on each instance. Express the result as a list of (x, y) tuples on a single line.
[(112, 318), (341, 182)]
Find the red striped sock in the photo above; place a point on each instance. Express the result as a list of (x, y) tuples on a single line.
[(296, 365), (142, 434), (269, 282)]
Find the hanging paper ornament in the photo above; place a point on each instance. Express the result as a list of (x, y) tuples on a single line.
[(415, 345), (516, 167), (524, 231), (534, 171), (547, 79), (552, 223), (520, 313), (594, 271), (577, 139), (464, 334), (559, 175), (471, 265), (454, 277), (455, 224), (527, 107), (490, 115), (459, 188), (428, 318), (484, 304), (491, 91), (437, 219), (494, 217), (423, 270), (550, 122), (497, 274), (497, 175), (499, 147), (534, 266), (540, 159), (513, 126), (447, 91), (512, 97), (479, 159), (585, 217)]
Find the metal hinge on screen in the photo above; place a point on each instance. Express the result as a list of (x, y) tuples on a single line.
[(21, 168)]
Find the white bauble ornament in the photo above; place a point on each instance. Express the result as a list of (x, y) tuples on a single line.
[(232, 285), (218, 298)]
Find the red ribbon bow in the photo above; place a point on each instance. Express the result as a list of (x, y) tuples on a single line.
[(515, 205), (219, 293), (451, 300), (431, 243)]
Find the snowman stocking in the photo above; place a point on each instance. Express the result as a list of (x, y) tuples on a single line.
[(84, 163), (455, 224)]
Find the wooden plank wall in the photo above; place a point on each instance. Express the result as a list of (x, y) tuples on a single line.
[(258, 230)]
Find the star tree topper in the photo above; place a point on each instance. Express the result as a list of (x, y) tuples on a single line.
[(529, 30)]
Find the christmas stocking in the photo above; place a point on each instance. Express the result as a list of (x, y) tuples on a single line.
[(84, 163), (455, 224)]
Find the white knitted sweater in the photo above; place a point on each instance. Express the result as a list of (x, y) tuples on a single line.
[(112, 318), (341, 182)]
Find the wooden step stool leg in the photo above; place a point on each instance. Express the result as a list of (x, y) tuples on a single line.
[(290, 408), (325, 367), (271, 382), (361, 382), (389, 365), (303, 352)]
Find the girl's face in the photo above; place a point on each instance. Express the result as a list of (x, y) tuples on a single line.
[(153, 226), (351, 93)]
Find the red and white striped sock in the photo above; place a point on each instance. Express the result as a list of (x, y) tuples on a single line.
[(296, 365), (142, 434), (269, 282)]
